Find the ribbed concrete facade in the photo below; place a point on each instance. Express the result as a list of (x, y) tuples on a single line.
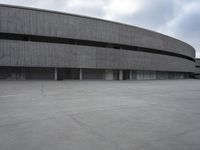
[(67, 46), (197, 66)]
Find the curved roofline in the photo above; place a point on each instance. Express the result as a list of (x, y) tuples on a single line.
[(89, 17)]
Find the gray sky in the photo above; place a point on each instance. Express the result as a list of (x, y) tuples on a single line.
[(176, 18)]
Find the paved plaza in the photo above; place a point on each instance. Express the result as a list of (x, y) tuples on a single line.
[(100, 115)]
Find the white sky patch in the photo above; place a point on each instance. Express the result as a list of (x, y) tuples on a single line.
[(119, 7), (190, 7), (87, 3), (93, 8)]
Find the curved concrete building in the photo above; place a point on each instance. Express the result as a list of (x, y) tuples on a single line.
[(41, 44)]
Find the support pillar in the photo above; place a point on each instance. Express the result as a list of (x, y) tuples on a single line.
[(22, 74), (80, 74), (56, 74), (121, 75), (130, 75)]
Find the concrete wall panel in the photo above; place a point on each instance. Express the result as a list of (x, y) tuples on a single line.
[(35, 54), (47, 23)]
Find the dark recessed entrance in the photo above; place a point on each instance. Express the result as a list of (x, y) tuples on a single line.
[(126, 74)]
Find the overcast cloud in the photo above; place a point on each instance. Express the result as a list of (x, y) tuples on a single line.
[(177, 18)]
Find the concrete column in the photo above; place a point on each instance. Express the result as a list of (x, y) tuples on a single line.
[(55, 74), (121, 75), (130, 75), (22, 74), (80, 74)]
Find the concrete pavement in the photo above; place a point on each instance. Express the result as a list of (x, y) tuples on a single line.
[(100, 115)]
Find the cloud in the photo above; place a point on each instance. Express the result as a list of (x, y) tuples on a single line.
[(45, 4), (116, 8), (177, 18), (152, 14), (88, 7), (186, 25)]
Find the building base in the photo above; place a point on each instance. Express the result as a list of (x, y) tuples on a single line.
[(30, 73)]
